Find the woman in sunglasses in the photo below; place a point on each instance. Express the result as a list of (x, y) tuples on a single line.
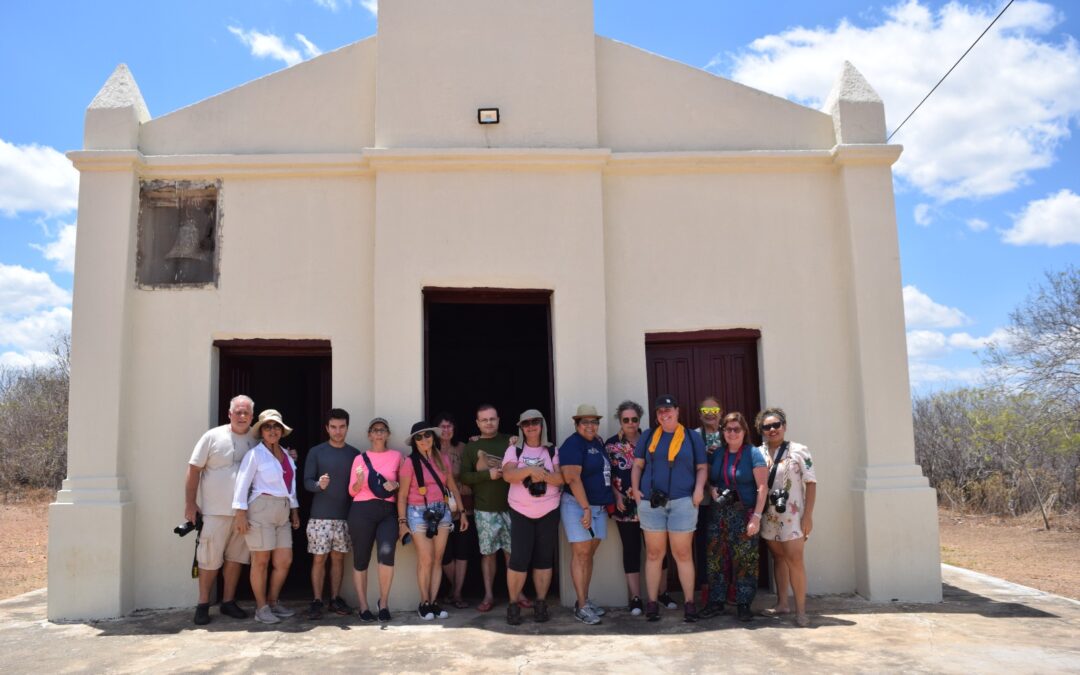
[(532, 470), (738, 474), (425, 513), (709, 412), (789, 516)]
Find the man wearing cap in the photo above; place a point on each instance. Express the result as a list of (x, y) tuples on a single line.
[(208, 490), (481, 469), (327, 472), (668, 482)]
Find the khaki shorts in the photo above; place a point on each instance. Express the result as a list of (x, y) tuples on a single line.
[(219, 542), (268, 524)]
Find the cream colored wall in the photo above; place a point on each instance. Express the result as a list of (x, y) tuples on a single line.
[(647, 102), (440, 61), (296, 262), (326, 104)]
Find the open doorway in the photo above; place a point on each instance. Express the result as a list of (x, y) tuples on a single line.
[(293, 377), (484, 345)]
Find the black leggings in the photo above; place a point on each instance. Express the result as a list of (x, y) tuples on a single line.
[(533, 541), (632, 537), (371, 521), (462, 545)]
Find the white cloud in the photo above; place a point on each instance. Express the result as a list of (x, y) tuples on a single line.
[(932, 374), (62, 249), (34, 331), (22, 360), (332, 5), (33, 310), (971, 343), (977, 224), (23, 291), (310, 50), (1050, 222), (267, 45), (371, 6), (922, 215), (1001, 114), (36, 178), (921, 310)]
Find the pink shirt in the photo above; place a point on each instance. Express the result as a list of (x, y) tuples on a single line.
[(386, 462), (433, 494), (519, 498)]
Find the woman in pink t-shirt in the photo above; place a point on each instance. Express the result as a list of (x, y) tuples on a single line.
[(533, 473)]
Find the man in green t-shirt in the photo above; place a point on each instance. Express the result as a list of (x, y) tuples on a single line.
[(481, 469)]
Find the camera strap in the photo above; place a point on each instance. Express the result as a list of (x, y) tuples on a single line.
[(673, 451), (729, 475), (776, 462)]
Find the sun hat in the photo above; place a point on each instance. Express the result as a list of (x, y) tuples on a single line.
[(533, 414), (419, 427), (586, 410), (270, 415)]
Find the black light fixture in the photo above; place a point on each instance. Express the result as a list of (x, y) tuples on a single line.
[(487, 115)]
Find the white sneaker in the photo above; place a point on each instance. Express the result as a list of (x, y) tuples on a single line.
[(424, 612), (281, 611), (266, 615), (596, 609)]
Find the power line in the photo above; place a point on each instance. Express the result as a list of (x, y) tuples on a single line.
[(950, 70)]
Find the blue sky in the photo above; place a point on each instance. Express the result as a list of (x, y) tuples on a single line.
[(987, 191)]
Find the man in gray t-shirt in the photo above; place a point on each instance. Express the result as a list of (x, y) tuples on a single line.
[(208, 490), (327, 471)]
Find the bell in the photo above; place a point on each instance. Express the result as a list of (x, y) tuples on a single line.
[(186, 246)]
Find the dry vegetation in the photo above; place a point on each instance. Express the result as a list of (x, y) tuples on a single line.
[(24, 536)]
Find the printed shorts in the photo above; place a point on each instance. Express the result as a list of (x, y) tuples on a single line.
[(493, 529), (324, 535)]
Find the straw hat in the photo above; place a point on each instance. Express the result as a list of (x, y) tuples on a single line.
[(270, 415), (586, 410)]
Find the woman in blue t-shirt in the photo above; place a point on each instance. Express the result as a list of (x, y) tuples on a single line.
[(587, 472), (738, 475)]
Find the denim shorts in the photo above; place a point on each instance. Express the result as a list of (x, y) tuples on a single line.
[(571, 513), (679, 515), (415, 514)]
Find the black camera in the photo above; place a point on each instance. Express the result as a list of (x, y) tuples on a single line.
[(727, 497), (432, 517), (536, 488), (778, 498), (658, 499), (185, 528)]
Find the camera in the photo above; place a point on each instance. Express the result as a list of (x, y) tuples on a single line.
[(727, 497), (431, 520), (778, 498), (658, 499), (535, 488), (185, 528)]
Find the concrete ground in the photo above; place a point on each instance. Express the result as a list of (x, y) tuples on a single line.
[(983, 625)]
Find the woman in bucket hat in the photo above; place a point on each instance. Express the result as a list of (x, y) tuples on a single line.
[(266, 507)]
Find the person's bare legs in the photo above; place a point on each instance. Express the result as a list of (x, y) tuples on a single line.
[(487, 570), (515, 581), (796, 568), (633, 584), (542, 581), (318, 575), (280, 561), (260, 560), (506, 559), (682, 550), (436, 569), (230, 572), (581, 568), (461, 568), (425, 560), (360, 581), (386, 579), (337, 571), (206, 583), (780, 577), (655, 548)]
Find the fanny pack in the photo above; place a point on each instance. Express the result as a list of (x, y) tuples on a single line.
[(375, 480)]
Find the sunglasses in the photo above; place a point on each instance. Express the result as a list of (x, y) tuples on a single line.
[(422, 435), (733, 430), (630, 420), (589, 422), (530, 423), (710, 410), (272, 426), (379, 430), (772, 427)]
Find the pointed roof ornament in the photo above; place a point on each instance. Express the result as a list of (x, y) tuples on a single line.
[(114, 116), (858, 112)]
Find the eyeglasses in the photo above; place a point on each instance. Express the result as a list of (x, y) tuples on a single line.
[(422, 435), (772, 427), (240, 413), (630, 420), (530, 423), (710, 410), (379, 430), (589, 422), (733, 430)]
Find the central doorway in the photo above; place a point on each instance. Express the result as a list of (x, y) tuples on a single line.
[(488, 345)]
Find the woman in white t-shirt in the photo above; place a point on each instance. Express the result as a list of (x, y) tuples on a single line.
[(533, 473)]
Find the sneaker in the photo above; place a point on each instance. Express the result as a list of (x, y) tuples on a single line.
[(636, 606), (315, 612), (540, 611), (712, 609), (365, 615), (232, 609), (667, 601), (652, 611), (596, 609), (585, 615), (438, 611), (744, 613), (338, 606), (281, 611), (690, 614), (384, 614), (513, 614), (265, 615), (424, 611), (202, 614)]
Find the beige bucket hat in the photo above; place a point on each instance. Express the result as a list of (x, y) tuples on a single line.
[(270, 415)]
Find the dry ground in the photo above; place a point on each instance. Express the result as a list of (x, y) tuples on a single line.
[(1017, 549)]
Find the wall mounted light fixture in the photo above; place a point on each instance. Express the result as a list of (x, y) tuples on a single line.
[(487, 115)]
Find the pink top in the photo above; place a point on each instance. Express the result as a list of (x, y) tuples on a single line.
[(433, 495), (519, 498), (385, 462)]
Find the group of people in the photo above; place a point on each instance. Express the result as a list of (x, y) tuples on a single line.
[(699, 497)]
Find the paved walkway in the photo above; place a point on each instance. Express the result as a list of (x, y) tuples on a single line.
[(983, 625)]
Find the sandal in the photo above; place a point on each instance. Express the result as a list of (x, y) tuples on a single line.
[(485, 606), (460, 603), (802, 621), (772, 611), (525, 603)]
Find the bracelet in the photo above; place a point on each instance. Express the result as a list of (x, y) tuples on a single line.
[(402, 521), (755, 514)]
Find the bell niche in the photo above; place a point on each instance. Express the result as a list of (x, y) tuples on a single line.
[(178, 234)]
